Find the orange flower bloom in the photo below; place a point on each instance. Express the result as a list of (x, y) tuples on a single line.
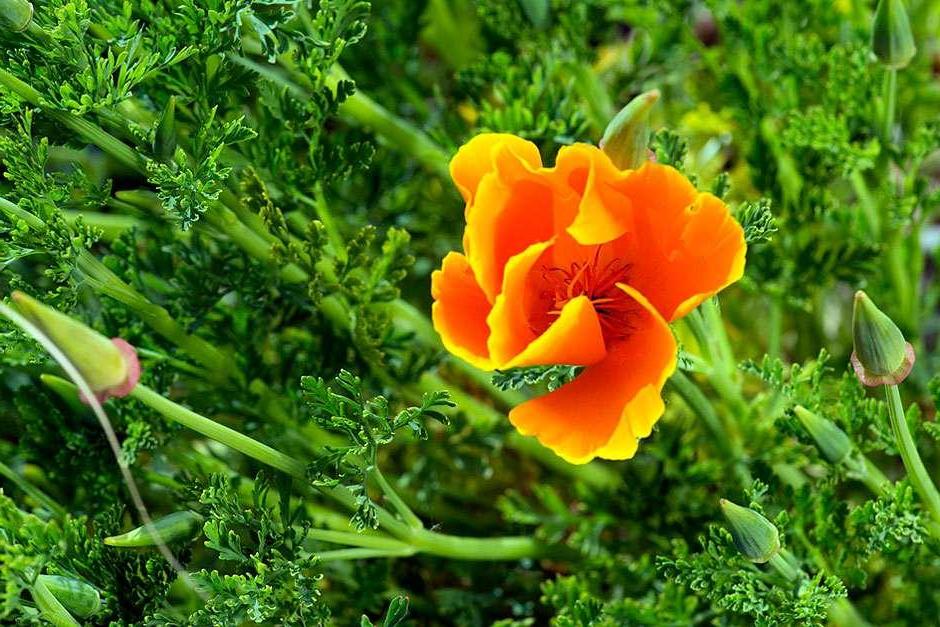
[(580, 264)]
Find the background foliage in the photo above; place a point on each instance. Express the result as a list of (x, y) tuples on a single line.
[(254, 193)]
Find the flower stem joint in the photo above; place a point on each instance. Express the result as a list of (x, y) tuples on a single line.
[(15, 14), (754, 536), (109, 366), (881, 355)]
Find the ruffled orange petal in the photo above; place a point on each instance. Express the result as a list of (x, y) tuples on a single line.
[(686, 246), (459, 311), (574, 338), (476, 158), (604, 210), (515, 206), (612, 403)]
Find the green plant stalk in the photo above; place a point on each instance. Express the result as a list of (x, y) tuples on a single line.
[(916, 471), (363, 554), (397, 502), (111, 225), (361, 540), (32, 491), (889, 97), (456, 547), (728, 445)]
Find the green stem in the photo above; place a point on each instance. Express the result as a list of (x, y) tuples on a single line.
[(32, 491), (889, 94), (782, 562), (456, 547), (362, 554), (362, 540), (867, 202), (916, 471), (397, 502), (728, 443)]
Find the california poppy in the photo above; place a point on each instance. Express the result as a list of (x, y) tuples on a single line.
[(580, 264)]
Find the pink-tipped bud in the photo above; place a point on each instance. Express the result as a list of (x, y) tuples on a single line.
[(109, 366), (881, 356)]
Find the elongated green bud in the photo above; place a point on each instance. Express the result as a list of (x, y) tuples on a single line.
[(627, 137), (79, 598), (50, 607), (832, 441), (109, 366), (891, 38), (175, 526), (881, 355), (755, 537), (164, 141), (15, 14), (537, 11)]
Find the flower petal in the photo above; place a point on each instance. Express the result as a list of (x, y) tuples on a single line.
[(613, 402), (515, 206), (476, 159), (459, 311), (686, 245), (574, 338), (604, 211)]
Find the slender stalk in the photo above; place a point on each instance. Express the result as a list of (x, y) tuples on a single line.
[(728, 443), (362, 540), (456, 547), (889, 95), (916, 471), (362, 554), (32, 491), (397, 502)]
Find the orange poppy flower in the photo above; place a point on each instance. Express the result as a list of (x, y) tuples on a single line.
[(580, 264)]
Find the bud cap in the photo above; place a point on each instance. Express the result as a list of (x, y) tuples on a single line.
[(755, 537), (15, 14), (832, 441), (881, 356), (110, 366), (626, 137), (891, 37)]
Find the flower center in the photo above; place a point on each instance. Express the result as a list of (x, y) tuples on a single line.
[(593, 277)]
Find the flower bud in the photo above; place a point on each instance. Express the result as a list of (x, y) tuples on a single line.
[(15, 14), (50, 607), (831, 440), (881, 356), (175, 526), (891, 37), (755, 537), (78, 597), (627, 136), (110, 367)]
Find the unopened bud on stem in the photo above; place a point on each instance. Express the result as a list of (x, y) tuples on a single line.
[(15, 14), (110, 367), (755, 537), (881, 356), (831, 440), (891, 38), (627, 137)]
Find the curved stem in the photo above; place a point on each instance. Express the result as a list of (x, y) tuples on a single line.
[(397, 502), (916, 471), (32, 491)]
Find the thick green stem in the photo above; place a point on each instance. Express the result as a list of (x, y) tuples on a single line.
[(916, 471)]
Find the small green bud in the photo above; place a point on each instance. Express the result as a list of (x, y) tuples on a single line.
[(164, 140), (537, 11), (832, 441), (16, 14), (626, 138), (50, 607), (881, 356), (891, 38), (109, 366), (78, 597), (175, 526), (65, 390), (755, 537)]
